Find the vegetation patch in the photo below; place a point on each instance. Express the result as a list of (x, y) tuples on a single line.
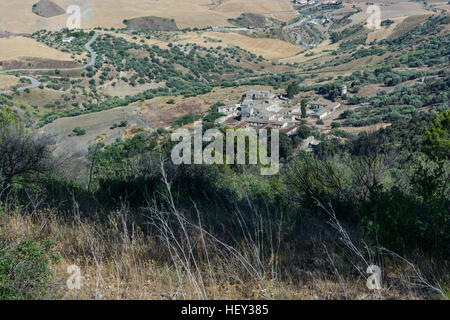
[(250, 20), (151, 23)]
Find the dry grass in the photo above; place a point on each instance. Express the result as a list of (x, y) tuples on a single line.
[(279, 9), (18, 18), (268, 48), (20, 47), (389, 10), (7, 81), (193, 13), (408, 24), (444, 5), (385, 32), (122, 88), (96, 124), (167, 256), (118, 261)]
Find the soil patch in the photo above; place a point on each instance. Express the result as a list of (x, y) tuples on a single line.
[(39, 63), (151, 23), (47, 9)]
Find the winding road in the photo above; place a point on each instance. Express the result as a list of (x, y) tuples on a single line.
[(327, 31), (302, 23), (36, 83)]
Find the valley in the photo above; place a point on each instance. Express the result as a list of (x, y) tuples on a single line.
[(356, 93)]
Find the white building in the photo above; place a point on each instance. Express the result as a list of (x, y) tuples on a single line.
[(258, 95), (229, 109), (68, 40)]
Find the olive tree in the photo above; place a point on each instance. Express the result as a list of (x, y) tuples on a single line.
[(21, 154)]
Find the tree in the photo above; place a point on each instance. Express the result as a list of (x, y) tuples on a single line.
[(21, 154), (286, 148), (7, 117), (304, 101), (335, 125), (438, 136), (292, 90), (304, 132)]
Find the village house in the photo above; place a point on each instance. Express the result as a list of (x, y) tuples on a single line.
[(290, 130), (68, 40), (322, 113), (261, 124), (258, 95), (321, 109), (229, 109)]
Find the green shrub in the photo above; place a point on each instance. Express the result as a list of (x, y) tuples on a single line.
[(78, 131), (335, 125), (24, 269), (185, 119), (403, 222)]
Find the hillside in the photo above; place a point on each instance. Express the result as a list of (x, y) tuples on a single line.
[(19, 18), (225, 149)]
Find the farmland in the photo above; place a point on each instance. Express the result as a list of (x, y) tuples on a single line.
[(18, 17), (20, 48)]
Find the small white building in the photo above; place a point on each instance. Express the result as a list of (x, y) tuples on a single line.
[(68, 40), (228, 109), (254, 122), (323, 110), (258, 95)]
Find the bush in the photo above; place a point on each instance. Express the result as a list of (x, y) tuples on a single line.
[(24, 269), (402, 222), (185, 119), (335, 125), (78, 131)]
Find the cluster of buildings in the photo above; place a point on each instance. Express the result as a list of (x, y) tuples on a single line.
[(263, 109)]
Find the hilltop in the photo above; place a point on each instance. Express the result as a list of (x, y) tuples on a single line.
[(47, 9)]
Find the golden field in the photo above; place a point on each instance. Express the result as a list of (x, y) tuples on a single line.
[(17, 16), (7, 81), (18, 47)]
